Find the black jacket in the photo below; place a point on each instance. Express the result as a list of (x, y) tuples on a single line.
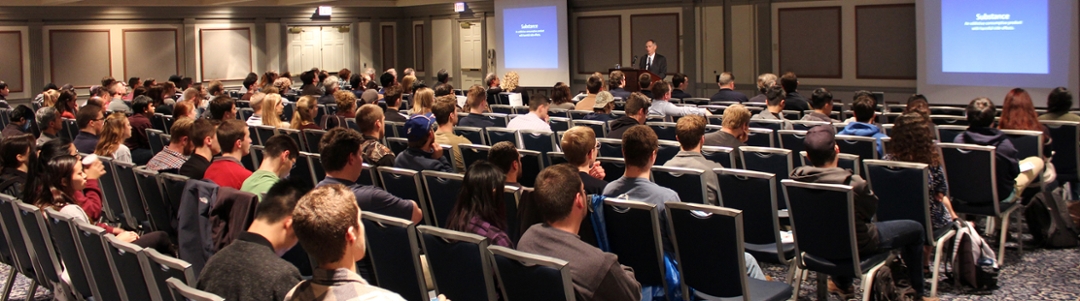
[(620, 125), (659, 64), (1008, 166)]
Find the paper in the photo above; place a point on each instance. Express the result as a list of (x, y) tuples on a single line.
[(1026, 167), (515, 99), (461, 101), (786, 237)]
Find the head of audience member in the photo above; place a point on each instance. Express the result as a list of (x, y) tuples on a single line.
[(282, 85), (279, 155), (306, 110), (560, 198), (274, 214), (4, 90), (116, 89), (422, 101), (580, 147), (307, 78), (216, 88), (392, 71), (371, 120), (60, 178), (387, 79), (89, 119), (775, 97), (821, 101), (1059, 101), (250, 81), (169, 90), (407, 83), (392, 96), (61, 146), (256, 101), (204, 137), (65, 102), (323, 75), (420, 131), (21, 116), (690, 132), (539, 105), (864, 109), (340, 155), (981, 112), (370, 84), (505, 156), (114, 131), (143, 105), (327, 222), (917, 103), (191, 94), (442, 76), (134, 82), (491, 80), (605, 103), (1018, 112), (445, 111), (726, 80), (476, 100), (913, 140), (765, 81), (357, 82), (820, 145), (561, 94), (184, 109), (149, 82), (594, 84), (346, 103), (180, 136), (481, 197), (233, 138), (637, 107), (639, 148), (645, 82), (177, 80), (443, 90), (139, 91), (617, 79), (661, 90), (344, 74), (680, 81), (736, 121), (223, 107), (272, 108), (790, 82), (16, 152), (331, 84), (49, 120), (49, 98), (510, 81)]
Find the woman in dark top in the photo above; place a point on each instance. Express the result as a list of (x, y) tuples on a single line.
[(65, 104), (304, 116), (158, 94), (560, 97), (16, 153), (913, 141), (480, 208)]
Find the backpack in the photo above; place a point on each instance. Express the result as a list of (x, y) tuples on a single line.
[(891, 283), (1049, 220), (973, 261)]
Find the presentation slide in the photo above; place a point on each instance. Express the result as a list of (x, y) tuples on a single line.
[(531, 37), (973, 48)]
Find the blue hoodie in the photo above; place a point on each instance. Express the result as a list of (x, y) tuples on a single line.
[(865, 130)]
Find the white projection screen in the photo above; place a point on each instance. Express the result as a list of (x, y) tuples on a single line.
[(531, 39)]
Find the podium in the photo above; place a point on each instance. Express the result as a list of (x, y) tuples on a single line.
[(632, 75)]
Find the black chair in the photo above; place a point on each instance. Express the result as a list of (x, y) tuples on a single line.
[(394, 129), (265, 132), (252, 161), (92, 245), (315, 164), (297, 137), (613, 167), (153, 136), (555, 158), (531, 164), (132, 199), (951, 111), (864, 147), (497, 134), (949, 120), (500, 120), (709, 248), (442, 190), (43, 253), (805, 125), (351, 123), (611, 148), (172, 186), (745, 190), (20, 247), (845, 161), (63, 234), (394, 254), (559, 124), (540, 141), (760, 137), (1067, 155), (158, 269), (598, 127), (71, 128), (474, 134), (666, 151), (158, 210), (634, 234), (459, 264), (718, 154), (664, 130), (530, 277), (112, 203), (689, 183), (304, 170), (770, 160), (579, 114), (1027, 143), (186, 292), (502, 109), (471, 153), (971, 173), (903, 194), (125, 258), (512, 198), (792, 140), (312, 138), (405, 183), (823, 224), (368, 176), (253, 132), (245, 113), (791, 114), (397, 145)]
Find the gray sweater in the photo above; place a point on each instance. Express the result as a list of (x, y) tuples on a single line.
[(248, 269)]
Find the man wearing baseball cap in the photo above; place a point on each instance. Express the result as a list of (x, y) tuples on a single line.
[(602, 108), (423, 153), (872, 237)]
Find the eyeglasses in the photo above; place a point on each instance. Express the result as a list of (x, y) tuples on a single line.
[(597, 144)]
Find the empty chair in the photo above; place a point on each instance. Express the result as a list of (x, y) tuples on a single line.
[(397, 145), (634, 234), (43, 253), (153, 136), (20, 247), (803, 125), (496, 135), (1066, 155), (405, 184), (610, 147), (189, 293), (474, 134), (394, 128), (792, 140), (502, 109), (559, 124), (158, 210), (500, 120), (92, 244), (598, 127), (133, 200), (971, 173), (688, 182), (159, 268), (459, 264), (63, 233), (760, 137), (864, 147), (127, 259), (265, 132), (172, 185), (664, 130), (531, 277), (755, 194), (393, 250), (442, 192), (718, 154), (473, 152), (771, 160), (531, 164), (709, 248), (157, 122), (312, 138), (540, 141), (511, 197), (613, 167)]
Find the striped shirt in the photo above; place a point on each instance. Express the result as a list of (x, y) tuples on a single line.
[(338, 285)]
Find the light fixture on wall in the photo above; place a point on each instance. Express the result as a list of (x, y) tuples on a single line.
[(343, 28), (459, 7), (465, 25), (322, 13), (296, 30)]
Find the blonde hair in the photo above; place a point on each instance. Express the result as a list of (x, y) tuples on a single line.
[(346, 101), (302, 115), (282, 84), (50, 97), (256, 100), (407, 84), (510, 82), (269, 111), (112, 134), (422, 101), (736, 116)]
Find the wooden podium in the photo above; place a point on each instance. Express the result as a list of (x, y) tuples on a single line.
[(632, 75)]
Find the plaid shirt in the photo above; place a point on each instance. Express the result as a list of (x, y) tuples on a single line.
[(166, 159), (338, 285), (494, 234)]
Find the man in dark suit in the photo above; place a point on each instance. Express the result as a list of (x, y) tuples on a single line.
[(653, 62), (679, 81), (727, 92), (493, 89), (793, 101), (616, 82)]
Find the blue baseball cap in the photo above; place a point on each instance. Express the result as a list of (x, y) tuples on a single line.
[(418, 126)]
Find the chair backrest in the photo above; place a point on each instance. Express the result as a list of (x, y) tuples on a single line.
[(112, 203), (531, 164), (404, 183), (315, 163), (755, 194), (502, 109), (296, 136), (397, 145), (1067, 155), (598, 127), (474, 134), (709, 248), (159, 268), (499, 119), (394, 253), (609, 147), (554, 158), (948, 133), (791, 114), (512, 198), (126, 259), (312, 138), (823, 220), (613, 167), (970, 171), (944, 110), (530, 277), (792, 140), (91, 240), (497, 134), (760, 137), (368, 176), (771, 160), (37, 233), (774, 125), (949, 120), (20, 247), (303, 170), (541, 141), (442, 193), (664, 130), (245, 113), (579, 114), (666, 151), (845, 161), (134, 205), (189, 293), (459, 264), (559, 123), (154, 138), (903, 191), (158, 210), (172, 185), (864, 147), (634, 233), (804, 125), (471, 153), (689, 183), (265, 132), (255, 155), (1027, 143), (63, 233), (71, 128), (718, 154)]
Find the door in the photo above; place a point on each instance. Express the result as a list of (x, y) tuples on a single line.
[(321, 47), (472, 54)]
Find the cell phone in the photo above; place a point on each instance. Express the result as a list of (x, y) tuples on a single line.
[(89, 159)]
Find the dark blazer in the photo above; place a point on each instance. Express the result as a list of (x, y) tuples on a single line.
[(659, 64), (729, 95)]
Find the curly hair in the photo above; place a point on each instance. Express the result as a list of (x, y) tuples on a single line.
[(510, 82), (113, 133), (913, 141)]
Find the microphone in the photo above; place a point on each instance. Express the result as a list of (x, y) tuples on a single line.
[(633, 61)]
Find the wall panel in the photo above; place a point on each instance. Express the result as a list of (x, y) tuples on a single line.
[(151, 52), (885, 41), (442, 45), (810, 41), (418, 47), (79, 57), (599, 41), (662, 28), (389, 49), (11, 60), (225, 53)]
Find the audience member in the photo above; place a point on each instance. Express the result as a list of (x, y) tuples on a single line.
[(822, 103), (50, 123), (917, 103), (113, 133), (65, 104), (603, 104), (912, 141), (593, 85), (510, 84), (1058, 105), (250, 86), (272, 108), (1018, 113), (639, 150), (372, 124), (257, 107), (250, 268), (16, 154), (204, 139), (690, 132), (223, 108), (19, 121), (980, 116), (442, 90), (304, 114), (330, 85), (90, 120), (645, 85), (734, 131), (560, 200), (445, 112), (387, 79), (727, 92), (505, 156), (173, 156), (764, 82), (284, 86), (423, 152), (616, 82), (158, 98), (679, 82), (637, 112), (581, 149), (537, 119), (421, 102), (560, 97), (408, 84), (4, 92), (872, 237), (392, 96), (492, 87), (309, 86), (184, 110), (793, 100), (142, 110), (774, 107), (663, 107), (864, 122), (116, 92), (477, 106), (346, 108), (480, 208), (279, 156), (235, 141), (343, 162)]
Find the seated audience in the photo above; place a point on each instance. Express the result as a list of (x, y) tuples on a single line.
[(184, 110), (250, 86), (4, 91), (764, 82), (477, 105), (661, 104), (346, 108), (408, 84), (727, 92), (492, 87), (224, 108), (793, 100), (90, 120), (142, 109), (774, 107), (257, 108), (917, 103), (537, 119), (593, 85), (280, 153), (372, 124), (16, 154), (113, 133), (679, 82), (864, 122), (173, 156), (1018, 113), (980, 116), (342, 160), (872, 237), (690, 132), (823, 106), (273, 107), (1058, 105), (234, 139), (65, 103), (505, 156), (603, 104), (581, 149), (204, 140), (645, 85), (50, 123), (116, 92), (510, 84), (734, 131), (249, 268), (616, 82), (330, 86), (423, 152), (310, 84), (912, 141), (637, 112), (445, 111), (480, 208), (392, 97), (304, 116), (388, 79), (19, 121), (560, 97), (421, 102), (560, 200), (442, 89)]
